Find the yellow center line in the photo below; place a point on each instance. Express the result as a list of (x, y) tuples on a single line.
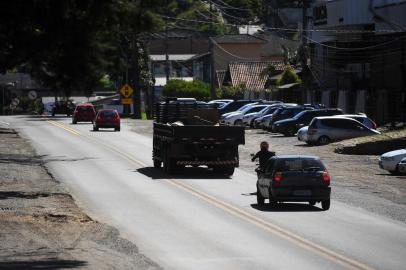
[(71, 130), (237, 212)]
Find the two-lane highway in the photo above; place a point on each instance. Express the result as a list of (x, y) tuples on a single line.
[(198, 221)]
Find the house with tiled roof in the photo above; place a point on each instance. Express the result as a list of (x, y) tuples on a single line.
[(249, 73)]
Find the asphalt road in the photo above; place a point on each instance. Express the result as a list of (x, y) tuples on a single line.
[(197, 221)]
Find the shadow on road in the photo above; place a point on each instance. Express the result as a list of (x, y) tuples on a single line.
[(44, 117), (287, 207), (44, 264), (103, 130), (186, 173)]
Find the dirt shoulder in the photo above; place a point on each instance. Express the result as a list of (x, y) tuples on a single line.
[(41, 227)]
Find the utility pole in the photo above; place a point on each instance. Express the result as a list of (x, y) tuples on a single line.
[(137, 81), (304, 45), (212, 68), (167, 69)]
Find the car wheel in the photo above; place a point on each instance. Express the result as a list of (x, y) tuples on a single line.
[(290, 131), (238, 122), (260, 199), (117, 129), (95, 128), (323, 140), (312, 203), (325, 205)]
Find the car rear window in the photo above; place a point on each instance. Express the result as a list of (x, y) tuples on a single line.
[(298, 164), (108, 113), (85, 108)]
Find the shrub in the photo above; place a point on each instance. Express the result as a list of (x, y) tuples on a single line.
[(180, 88), (288, 76)]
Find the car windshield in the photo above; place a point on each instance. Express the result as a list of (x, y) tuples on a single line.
[(297, 116), (245, 107), (264, 110), (253, 109), (299, 164), (108, 113)]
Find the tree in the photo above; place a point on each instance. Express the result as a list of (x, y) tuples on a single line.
[(288, 76), (70, 44)]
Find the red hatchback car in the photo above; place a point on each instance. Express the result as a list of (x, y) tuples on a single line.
[(107, 118), (84, 113)]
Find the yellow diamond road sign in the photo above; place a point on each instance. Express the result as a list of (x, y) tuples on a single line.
[(126, 91)]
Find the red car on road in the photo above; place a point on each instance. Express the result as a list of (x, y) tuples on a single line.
[(84, 113), (107, 118)]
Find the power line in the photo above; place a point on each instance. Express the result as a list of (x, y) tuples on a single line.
[(294, 30), (356, 49)]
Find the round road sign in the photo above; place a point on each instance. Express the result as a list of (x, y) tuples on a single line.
[(32, 95), (15, 102)]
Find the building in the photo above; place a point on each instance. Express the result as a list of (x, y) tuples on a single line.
[(357, 53)]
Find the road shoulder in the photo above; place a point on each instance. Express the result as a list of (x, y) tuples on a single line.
[(42, 227)]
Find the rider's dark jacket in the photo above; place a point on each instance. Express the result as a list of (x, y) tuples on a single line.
[(264, 156)]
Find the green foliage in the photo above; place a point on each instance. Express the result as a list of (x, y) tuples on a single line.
[(69, 45), (288, 76), (233, 92), (269, 71), (105, 81), (181, 88)]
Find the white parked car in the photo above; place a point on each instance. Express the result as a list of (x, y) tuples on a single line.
[(302, 134), (249, 118), (390, 161), (402, 166), (223, 116), (236, 118)]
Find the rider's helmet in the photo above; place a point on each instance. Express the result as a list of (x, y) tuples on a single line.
[(264, 145)]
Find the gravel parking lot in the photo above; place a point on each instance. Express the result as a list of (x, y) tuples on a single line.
[(356, 180)]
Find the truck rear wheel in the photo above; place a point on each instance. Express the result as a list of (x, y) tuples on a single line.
[(325, 205), (157, 164)]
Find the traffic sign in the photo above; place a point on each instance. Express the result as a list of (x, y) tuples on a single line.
[(32, 95), (15, 102), (126, 101), (126, 91)]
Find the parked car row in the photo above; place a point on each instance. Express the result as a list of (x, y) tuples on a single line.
[(313, 123)]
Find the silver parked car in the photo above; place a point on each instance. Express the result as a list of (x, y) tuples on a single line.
[(362, 118), (323, 130)]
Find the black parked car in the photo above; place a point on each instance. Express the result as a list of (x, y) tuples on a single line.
[(294, 178), (63, 107), (286, 112), (290, 126)]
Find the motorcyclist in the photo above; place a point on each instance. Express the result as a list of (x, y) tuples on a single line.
[(264, 155)]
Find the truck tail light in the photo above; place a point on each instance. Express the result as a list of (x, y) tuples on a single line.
[(277, 177), (326, 177)]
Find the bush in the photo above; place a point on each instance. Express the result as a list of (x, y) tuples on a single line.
[(187, 89), (288, 76)]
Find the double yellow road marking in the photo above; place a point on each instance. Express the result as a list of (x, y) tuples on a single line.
[(237, 212), (65, 127)]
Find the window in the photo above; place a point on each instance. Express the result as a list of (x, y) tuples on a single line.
[(298, 164)]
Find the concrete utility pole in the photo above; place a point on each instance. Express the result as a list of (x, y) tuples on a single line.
[(304, 43), (167, 70), (212, 68)]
